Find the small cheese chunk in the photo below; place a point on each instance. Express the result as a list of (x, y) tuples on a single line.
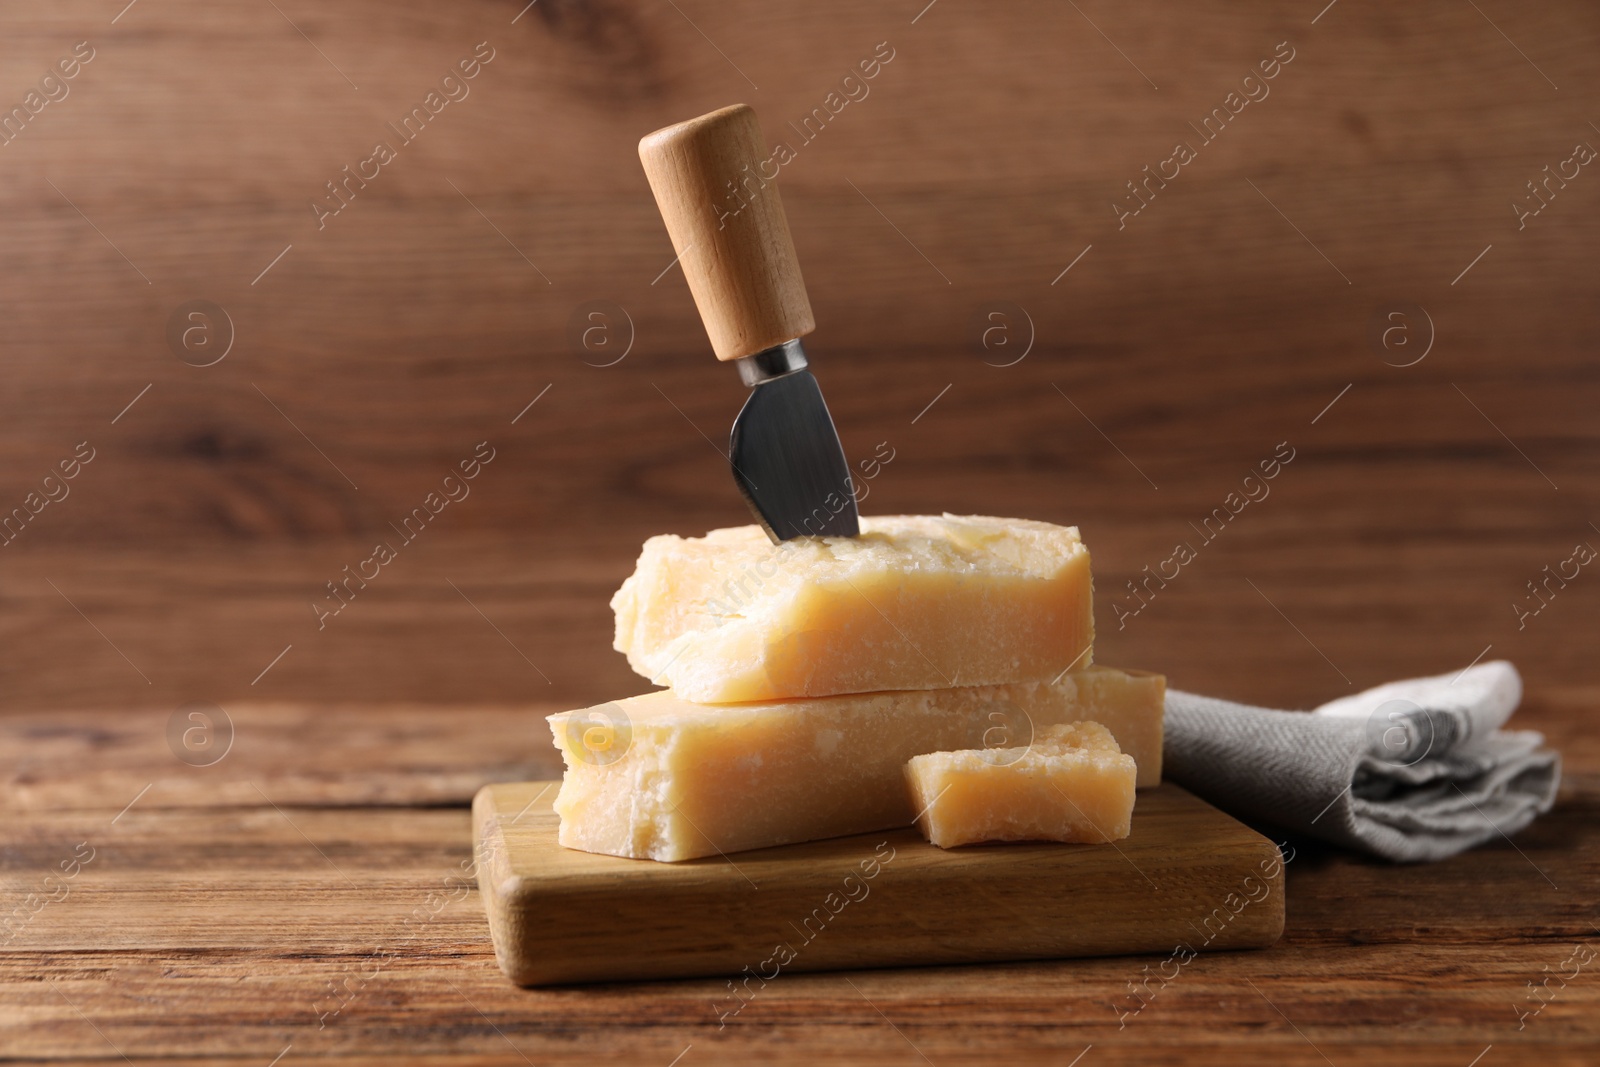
[(915, 602), (1072, 784), (658, 777)]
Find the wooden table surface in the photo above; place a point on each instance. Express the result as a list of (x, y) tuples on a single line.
[(308, 892), (1355, 269)]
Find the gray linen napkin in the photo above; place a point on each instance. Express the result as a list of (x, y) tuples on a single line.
[(1413, 770)]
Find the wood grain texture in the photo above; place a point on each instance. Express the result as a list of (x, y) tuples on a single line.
[(1187, 874), (313, 888), (1180, 349), (716, 185), (422, 318)]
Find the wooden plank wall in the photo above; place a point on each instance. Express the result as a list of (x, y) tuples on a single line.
[(372, 350)]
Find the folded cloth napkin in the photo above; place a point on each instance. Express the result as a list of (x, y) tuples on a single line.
[(1413, 770)]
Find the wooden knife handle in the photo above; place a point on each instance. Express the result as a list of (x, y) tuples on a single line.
[(713, 182)]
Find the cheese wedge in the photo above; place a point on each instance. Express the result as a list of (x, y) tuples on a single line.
[(658, 777), (915, 602), (1072, 784)]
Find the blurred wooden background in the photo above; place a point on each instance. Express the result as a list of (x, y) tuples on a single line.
[(424, 317), (1243, 307)]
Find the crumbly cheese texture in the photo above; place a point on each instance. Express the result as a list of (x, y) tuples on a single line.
[(659, 777), (914, 602), (1071, 784)]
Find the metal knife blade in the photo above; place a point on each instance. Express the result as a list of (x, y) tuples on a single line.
[(785, 451)]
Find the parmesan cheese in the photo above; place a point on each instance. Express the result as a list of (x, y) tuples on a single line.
[(915, 602), (659, 777), (1071, 784)]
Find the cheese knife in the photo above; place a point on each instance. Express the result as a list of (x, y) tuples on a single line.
[(713, 181)]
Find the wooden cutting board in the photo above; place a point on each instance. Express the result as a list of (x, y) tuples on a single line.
[(1188, 879)]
